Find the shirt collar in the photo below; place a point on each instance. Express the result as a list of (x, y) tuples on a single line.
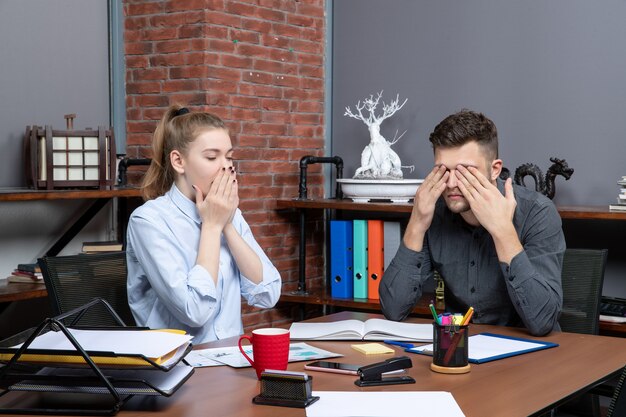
[(184, 204)]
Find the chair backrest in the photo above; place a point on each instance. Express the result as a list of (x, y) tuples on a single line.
[(72, 281), (582, 279)]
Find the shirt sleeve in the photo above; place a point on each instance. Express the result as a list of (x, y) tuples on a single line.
[(401, 284), (533, 278), (266, 293), (187, 291)]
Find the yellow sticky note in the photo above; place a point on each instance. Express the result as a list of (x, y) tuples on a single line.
[(372, 348)]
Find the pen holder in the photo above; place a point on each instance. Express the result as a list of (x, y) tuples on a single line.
[(450, 349)]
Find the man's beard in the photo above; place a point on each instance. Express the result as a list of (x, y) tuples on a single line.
[(458, 206)]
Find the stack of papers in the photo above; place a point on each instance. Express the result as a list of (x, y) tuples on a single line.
[(108, 347), (372, 329)]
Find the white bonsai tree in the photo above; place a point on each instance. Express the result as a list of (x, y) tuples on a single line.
[(378, 160)]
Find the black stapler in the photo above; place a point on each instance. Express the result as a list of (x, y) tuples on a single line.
[(372, 375)]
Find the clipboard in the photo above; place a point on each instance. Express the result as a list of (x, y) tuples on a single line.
[(487, 347)]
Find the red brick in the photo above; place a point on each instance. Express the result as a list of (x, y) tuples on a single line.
[(143, 87), (188, 99), (172, 86), (257, 77), (150, 74), (283, 142), (283, 5), (307, 46), (144, 8), (276, 117), (306, 21), (223, 73), (219, 45), (310, 107), (287, 80), (236, 61), (244, 36), (135, 23), (184, 5), (225, 19), (260, 90), (256, 25), (316, 84), (310, 71), (167, 60), (251, 140), (241, 9), (158, 34), (170, 19), (198, 71), (220, 86), (137, 61), (214, 31), (310, 59), (192, 31), (310, 10), (287, 30), (140, 127), (268, 14), (176, 46), (244, 101), (253, 50), (151, 101), (138, 48), (275, 41)]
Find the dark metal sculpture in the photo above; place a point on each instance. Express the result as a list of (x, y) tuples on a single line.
[(543, 185)]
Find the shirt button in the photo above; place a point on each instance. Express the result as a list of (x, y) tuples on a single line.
[(511, 277), (414, 289), (419, 264), (472, 263), (472, 290)]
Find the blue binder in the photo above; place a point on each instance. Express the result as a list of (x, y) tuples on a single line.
[(341, 258), (360, 258)]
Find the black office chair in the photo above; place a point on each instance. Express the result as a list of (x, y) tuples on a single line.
[(582, 278), (618, 403), (72, 281)]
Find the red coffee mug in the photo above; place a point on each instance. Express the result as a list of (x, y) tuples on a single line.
[(270, 349)]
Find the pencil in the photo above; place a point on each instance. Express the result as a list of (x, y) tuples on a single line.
[(467, 316)]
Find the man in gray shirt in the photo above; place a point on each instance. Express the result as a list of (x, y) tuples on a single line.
[(498, 246)]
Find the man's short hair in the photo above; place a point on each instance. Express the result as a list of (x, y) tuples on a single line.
[(463, 127)]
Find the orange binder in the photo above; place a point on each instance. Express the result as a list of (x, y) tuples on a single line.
[(375, 256)]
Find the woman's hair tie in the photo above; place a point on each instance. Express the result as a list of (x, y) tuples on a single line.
[(181, 111)]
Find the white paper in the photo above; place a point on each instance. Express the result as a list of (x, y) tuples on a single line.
[(151, 344), (231, 355), (384, 404)]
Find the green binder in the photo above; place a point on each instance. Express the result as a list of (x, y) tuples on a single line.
[(360, 258)]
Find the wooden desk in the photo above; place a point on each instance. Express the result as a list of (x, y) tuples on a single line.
[(21, 291), (524, 385)]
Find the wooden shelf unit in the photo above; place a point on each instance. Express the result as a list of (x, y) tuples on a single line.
[(24, 194), (566, 212), (320, 298), (100, 198)]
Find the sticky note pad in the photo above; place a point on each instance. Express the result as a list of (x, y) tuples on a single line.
[(372, 348)]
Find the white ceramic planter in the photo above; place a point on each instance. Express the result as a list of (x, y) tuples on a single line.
[(362, 190)]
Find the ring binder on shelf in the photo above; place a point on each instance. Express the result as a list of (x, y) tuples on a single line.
[(79, 371)]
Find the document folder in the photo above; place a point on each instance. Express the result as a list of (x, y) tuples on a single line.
[(359, 245), (341, 259), (375, 257), (487, 347)]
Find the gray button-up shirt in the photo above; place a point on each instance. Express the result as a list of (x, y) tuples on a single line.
[(525, 293)]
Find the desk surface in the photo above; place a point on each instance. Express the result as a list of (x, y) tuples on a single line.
[(17, 291), (519, 386)]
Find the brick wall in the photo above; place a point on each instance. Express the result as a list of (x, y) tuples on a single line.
[(259, 65)]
